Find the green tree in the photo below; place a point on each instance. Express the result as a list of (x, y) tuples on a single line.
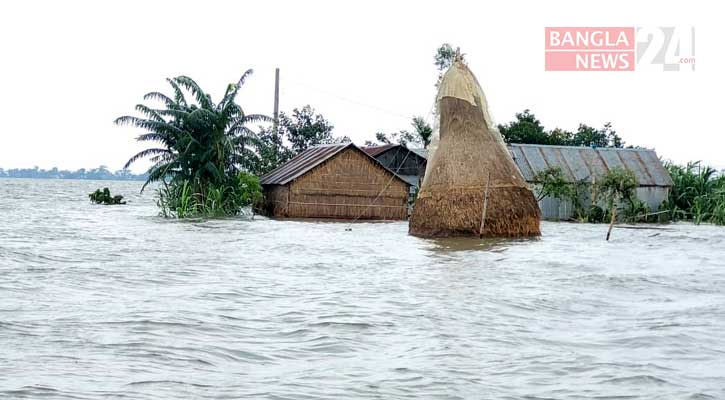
[(304, 129), (444, 57), (528, 129), (296, 132), (525, 129), (445, 54), (201, 148), (423, 130), (553, 183), (589, 136), (592, 137), (272, 151), (421, 135), (617, 186)]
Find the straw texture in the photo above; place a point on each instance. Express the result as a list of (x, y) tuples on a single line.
[(469, 150)]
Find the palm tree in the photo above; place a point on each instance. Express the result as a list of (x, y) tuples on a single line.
[(423, 130), (199, 142)]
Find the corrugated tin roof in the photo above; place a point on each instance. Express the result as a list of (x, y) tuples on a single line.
[(420, 151), (301, 163), (375, 150), (309, 159), (583, 163)]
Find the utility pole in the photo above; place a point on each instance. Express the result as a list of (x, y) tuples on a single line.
[(276, 100)]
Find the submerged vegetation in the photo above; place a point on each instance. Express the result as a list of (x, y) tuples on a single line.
[(103, 196), (188, 199), (698, 194), (204, 150)]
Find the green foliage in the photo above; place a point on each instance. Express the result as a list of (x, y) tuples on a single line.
[(104, 197), (528, 129), (200, 140), (595, 214), (635, 210), (420, 136), (272, 152), (201, 147), (296, 132), (617, 187), (304, 129), (553, 183), (423, 130), (191, 199), (444, 57), (697, 194)]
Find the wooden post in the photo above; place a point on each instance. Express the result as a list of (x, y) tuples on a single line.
[(276, 99), (611, 224), (485, 206)]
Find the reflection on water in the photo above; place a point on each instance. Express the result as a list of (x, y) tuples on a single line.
[(115, 302)]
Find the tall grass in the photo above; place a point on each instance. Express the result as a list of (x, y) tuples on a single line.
[(187, 199), (697, 195)]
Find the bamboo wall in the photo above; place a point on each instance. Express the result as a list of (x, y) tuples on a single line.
[(347, 187), (276, 197)]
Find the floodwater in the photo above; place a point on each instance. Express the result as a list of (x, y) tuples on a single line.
[(116, 302)]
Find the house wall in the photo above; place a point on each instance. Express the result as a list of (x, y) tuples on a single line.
[(347, 186), (275, 198)]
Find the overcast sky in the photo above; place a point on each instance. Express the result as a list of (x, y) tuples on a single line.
[(68, 69)]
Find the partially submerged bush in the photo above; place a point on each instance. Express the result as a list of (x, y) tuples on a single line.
[(553, 183), (104, 197), (617, 187), (697, 194), (184, 199), (595, 214)]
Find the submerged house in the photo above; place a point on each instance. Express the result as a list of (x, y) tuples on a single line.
[(335, 181), (407, 163), (585, 165)]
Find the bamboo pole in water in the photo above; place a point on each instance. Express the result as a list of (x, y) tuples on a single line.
[(611, 224), (485, 205)]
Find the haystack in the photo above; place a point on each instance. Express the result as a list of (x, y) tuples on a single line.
[(468, 162)]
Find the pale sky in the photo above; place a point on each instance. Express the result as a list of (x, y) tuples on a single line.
[(68, 69)]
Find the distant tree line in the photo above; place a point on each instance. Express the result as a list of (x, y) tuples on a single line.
[(527, 129), (100, 173)]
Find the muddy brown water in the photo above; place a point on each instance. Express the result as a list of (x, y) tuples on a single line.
[(116, 302)]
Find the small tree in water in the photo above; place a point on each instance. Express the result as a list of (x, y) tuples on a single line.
[(616, 186)]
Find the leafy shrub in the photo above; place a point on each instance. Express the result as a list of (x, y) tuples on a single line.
[(553, 183), (182, 199), (104, 197), (595, 214)]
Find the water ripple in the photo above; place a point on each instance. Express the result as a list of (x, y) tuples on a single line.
[(118, 303)]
